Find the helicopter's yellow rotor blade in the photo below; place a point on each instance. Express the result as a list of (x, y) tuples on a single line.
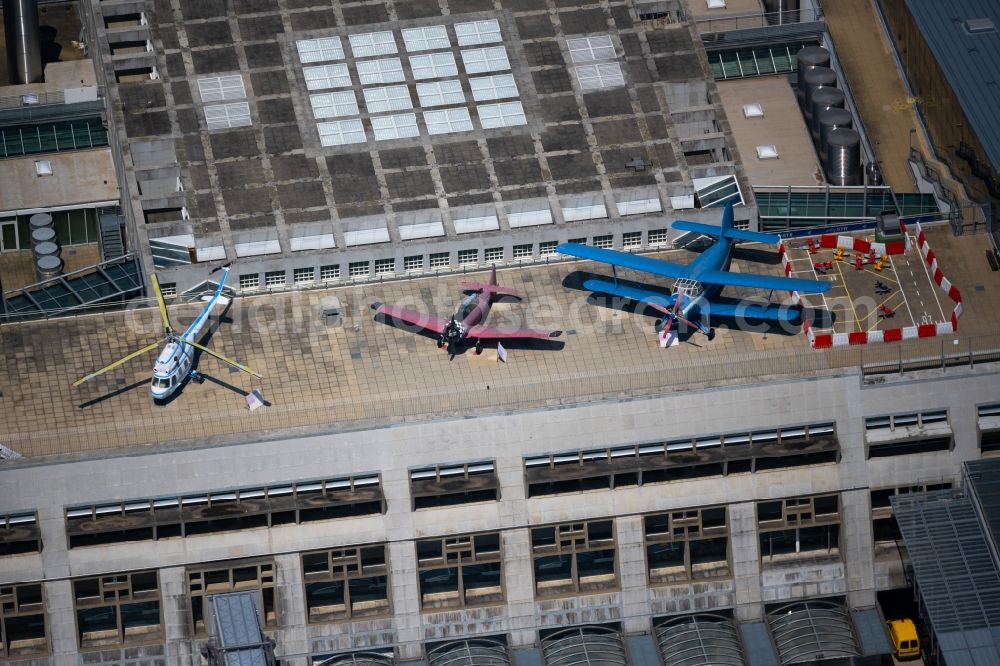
[(114, 365), (238, 366), (159, 300)]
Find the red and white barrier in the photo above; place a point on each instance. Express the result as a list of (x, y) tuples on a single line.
[(828, 340), (787, 264), (940, 280), (852, 244)]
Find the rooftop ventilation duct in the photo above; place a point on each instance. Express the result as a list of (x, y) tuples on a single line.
[(24, 54), (978, 26)]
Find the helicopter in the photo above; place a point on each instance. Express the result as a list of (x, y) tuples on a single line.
[(175, 362)]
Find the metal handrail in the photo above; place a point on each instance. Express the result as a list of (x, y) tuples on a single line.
[(707, 24)]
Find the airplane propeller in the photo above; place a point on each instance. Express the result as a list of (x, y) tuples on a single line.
[(452, 335), (675, 315)]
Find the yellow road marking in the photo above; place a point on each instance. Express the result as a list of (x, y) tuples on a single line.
[(857, 319)]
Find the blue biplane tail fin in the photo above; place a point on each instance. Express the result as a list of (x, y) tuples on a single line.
[(726, 229)]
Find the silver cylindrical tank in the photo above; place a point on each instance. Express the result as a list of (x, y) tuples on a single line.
[(807, 58), (873, 174), (815, 79), (47, 249), (781, 11), (48, 267), (40, 221), (43, 235), (829, 120), (823, 99), (24, 50), (843, 157)]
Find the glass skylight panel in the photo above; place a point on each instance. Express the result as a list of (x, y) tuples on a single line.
[(490, 59), (589, 49), (390, 98), (389, 70), (440, 93), (595, 77), (318, 50), (372, 44), (478, 32), (433, 66), (446, 121), (401, 126), (223, 116), (327, 76), (505, 114), (219, 88), (331, 105), (426, 38), (341, 132), (498, 86)]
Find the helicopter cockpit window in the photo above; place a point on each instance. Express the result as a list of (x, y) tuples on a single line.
[(160, 383)]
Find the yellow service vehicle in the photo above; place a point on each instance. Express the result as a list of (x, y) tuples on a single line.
[(904, 638)]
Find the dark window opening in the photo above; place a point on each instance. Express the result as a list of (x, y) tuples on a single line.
[(451, 499), (346, 584), (22, 621), (886, 449), (989, 441), (135, 74), (457, 484), (574, 558), (157, 215), (460, 571), (122, 21)]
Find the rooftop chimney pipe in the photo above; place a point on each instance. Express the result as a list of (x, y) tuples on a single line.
[(24, 53)]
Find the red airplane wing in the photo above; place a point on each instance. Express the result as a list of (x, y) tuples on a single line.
[(422, 319), (496, 333)]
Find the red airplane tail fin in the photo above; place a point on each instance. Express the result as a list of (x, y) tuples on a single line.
[(491, 289)]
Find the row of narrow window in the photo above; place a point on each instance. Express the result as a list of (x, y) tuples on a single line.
[(628, 466), (347, 584)]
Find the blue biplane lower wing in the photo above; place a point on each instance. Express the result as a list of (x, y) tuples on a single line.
[(624, 259), (727, 278), (751, 311), (655, 300)]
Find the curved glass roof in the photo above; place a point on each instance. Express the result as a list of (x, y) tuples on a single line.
[(357, 659), (472, 652), (693, 640), (583, 646), (810, 630)]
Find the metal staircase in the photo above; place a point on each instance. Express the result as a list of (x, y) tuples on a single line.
[(112, 241)]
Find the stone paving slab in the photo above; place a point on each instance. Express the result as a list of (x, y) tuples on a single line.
[(367, 373)]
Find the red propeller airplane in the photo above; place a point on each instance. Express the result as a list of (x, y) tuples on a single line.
[(468, 320)]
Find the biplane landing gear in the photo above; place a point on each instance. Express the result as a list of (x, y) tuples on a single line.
[(441, 342), (479, 347), (711, 334)]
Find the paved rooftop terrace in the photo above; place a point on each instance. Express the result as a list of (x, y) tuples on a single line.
[(367, 373)]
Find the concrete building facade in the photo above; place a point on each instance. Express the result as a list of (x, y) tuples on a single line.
[(506, 526)]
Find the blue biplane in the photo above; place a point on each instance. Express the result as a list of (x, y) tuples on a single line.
[(698, 284)]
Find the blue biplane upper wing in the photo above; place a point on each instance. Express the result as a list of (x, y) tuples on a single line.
[(732, 234), (727, 278), (625, 260), (655, 300)]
